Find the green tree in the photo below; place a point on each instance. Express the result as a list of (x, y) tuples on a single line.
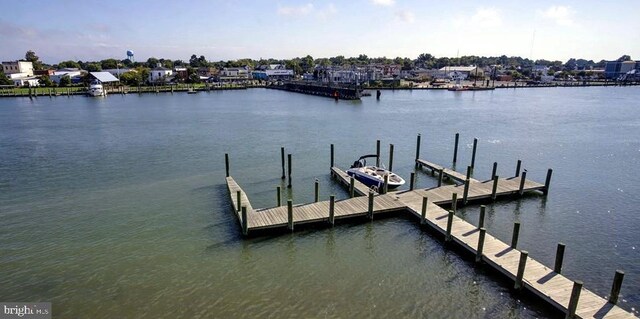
[(131, 78), (65, 81), (33, 58), (624, 58), (69, 64), (46, 81), (4, 80), (109, 64), (94, 67), (152, 62)]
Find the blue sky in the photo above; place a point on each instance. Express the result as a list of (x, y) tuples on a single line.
[(223, 30)]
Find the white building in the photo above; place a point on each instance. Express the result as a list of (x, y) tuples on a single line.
[(159, 74), (117, 72), (12, 67), (26, 81), (70, 72), (463, 72)]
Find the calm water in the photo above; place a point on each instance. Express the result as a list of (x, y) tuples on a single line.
[(117, 207)]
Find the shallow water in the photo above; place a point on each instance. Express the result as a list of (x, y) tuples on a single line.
[(117, 207)]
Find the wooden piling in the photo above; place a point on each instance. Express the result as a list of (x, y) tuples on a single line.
[(547, 182), (390, 157), (352, 183), (245, 223), (465, 194), (495, 187), (279, 196), (331, 155), (518, 168), (455, 148), (557, 268), (441, 172), (377, 153), (370, 211), (469, 169), (481, 217), (238, 200), (494, 170), (573, 301), (289, 169), (412, 181), (521, 264), (454, 201), (290, 214), (317, 191), (449, 225), (515, 235), (226, 163), (332, 205), (483, 232), (423, 219), (385, 187), (282, 158), (417, 148), (615, 288), (524, 177), (473, 153)]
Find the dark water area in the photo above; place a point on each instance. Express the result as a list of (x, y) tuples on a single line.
[(117, 207)]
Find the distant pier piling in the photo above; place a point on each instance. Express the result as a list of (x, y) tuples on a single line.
[(455, 148)]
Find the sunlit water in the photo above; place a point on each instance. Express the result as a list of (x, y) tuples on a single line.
[(117, 208)]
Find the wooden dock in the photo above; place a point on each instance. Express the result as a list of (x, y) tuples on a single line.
[(547, 283), (450, 174)]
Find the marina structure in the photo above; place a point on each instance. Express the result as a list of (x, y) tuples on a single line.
[(436, 208)]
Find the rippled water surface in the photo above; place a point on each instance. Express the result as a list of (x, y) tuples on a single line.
[(117, 208)]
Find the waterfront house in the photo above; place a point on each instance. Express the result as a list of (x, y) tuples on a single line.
[(74, 74), (159, 74), (25, 68), (234, 74), (463, 72)]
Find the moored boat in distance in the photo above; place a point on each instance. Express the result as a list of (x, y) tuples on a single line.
[(96, 89), (373, 176)]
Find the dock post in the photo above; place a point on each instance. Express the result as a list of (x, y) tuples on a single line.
[(390, 157), (455, 148), (524, 177), (245, 224), (454, 202), (332, 205), (289, 167), (469, 169), (238, 200), (377, 153), (495, 170), (352, 183), (441, 172), (317, 191), (282, 157), (615, 288), (290, 214), (331, 155), (518, 168), (370, 211), (495, 187), (483, 232), (481, 218), (521, 264), (423, 219), (279, 196), (573, 302), (547, 182), (465, 194), (413, 177), (516, 233), (473, 153), (557, 268), (417, 149), (449, 225), (385, 187), (226, 163)]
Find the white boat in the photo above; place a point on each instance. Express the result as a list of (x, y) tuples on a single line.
[(373, 176), (96, 89)]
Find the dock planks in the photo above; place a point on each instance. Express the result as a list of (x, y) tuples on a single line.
[(541, 280), (451, 174)]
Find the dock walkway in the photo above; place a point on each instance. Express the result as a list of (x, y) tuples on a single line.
[(451, 174)]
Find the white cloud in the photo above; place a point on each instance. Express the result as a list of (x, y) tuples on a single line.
[(296, 10), (562, 15), (405, 16), (487, 17), (327, 12), (384, 2)]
